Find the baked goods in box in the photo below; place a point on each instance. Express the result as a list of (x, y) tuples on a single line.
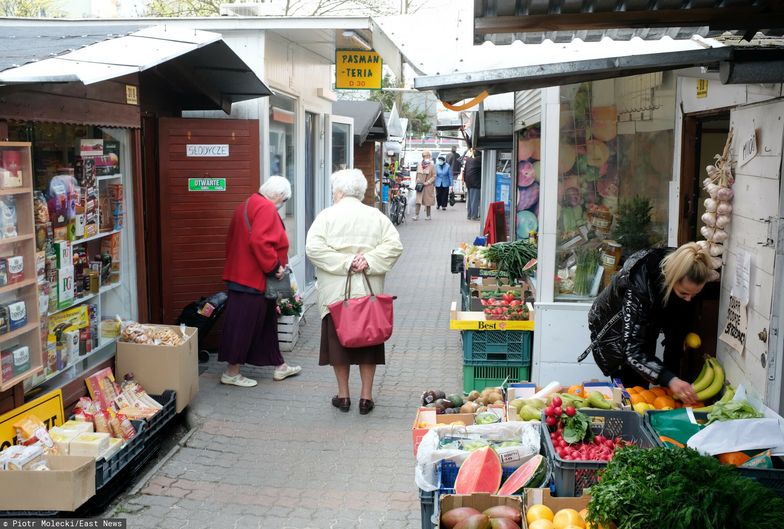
[(103, 388), (23, 457), (78, 426), (62, 439), (89, 444)]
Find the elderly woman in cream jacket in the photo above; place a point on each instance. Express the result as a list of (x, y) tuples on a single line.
[(350, 236)]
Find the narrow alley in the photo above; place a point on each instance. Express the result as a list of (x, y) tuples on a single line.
[(280, 456)]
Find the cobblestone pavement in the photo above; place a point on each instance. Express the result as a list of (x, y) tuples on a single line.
[(280, 456)]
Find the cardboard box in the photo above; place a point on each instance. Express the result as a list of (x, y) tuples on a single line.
[(542, 496), (159, 367), (480, 502), (526, 390), (68, 484), (65, 286), (426, 418)]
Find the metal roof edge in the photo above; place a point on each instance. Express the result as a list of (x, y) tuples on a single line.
[(363, 22)]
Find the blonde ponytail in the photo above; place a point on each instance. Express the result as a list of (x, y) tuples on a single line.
[(690, 261)]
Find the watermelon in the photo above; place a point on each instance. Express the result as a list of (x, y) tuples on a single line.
[(480, 472), (524, 476)]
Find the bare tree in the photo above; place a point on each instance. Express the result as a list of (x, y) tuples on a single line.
[(29, 8), (275, 8)]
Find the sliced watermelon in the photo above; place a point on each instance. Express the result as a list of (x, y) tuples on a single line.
[(521, 477), (480, 472)]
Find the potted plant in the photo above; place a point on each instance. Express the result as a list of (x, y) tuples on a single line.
[(633, 225)]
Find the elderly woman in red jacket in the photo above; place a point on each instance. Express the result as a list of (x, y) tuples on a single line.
[(256, 248)]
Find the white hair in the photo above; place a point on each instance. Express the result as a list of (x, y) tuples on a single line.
[(276, 186), (350, 182)]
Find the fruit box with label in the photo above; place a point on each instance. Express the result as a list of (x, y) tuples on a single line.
[(543, 497), (526, 390), (161, 367), (69, 482), (480, 502), (427, 418)]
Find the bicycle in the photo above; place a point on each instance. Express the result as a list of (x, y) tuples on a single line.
[(397, 204)]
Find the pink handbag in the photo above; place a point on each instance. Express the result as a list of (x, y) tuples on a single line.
[(365, 321)]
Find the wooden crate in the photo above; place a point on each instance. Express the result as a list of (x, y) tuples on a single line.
[(288, 331)]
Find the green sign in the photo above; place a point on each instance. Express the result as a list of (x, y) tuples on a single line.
[(206, 184)]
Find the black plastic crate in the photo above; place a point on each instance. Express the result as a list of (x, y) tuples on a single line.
[(165, 416), (427, 502), (107, 469), (571, 477), (772, 478)]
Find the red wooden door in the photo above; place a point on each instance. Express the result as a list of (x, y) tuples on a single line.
[(194, 224)]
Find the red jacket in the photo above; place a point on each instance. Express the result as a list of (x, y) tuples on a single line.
[(252, 254)]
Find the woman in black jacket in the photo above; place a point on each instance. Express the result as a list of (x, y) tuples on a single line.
[(652, 293)]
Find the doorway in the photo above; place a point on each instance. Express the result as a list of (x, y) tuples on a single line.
[(311, 170), (704, 135)]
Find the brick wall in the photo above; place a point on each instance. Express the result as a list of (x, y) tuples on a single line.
[(365, 160)]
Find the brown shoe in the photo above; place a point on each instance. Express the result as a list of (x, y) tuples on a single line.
[(342, 403), (365, 406)]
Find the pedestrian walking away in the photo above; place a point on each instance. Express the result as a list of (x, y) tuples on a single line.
[(443, 182), (256, 249), (472, 171), (455, 161), (654, 292), (425, 185), (350, 237)]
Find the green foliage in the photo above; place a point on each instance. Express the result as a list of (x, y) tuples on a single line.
[(29, 8), (633, 224), (679, 489)]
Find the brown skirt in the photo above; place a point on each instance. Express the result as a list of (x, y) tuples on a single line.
[(334, 354)]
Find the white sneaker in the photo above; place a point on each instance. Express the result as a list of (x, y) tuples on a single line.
[(290, 371), (415, 217), (237, 380), (428, 218)]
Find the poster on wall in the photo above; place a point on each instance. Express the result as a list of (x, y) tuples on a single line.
[(527, 182), (736, 321), (503, 193)]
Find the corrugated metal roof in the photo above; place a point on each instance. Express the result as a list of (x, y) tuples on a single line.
[(369, 122), (533, 21)]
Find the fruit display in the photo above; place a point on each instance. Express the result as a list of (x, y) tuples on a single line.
[(541, 516), (718, 207), (517, 258), (655, 398), (474, 402), (504, 306), (530, 473), (498, 517), (531, 409), (480, 472), (572, 438)]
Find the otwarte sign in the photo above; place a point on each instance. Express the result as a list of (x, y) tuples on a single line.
[(357, 70)]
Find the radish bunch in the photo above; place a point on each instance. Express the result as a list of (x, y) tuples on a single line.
[(600, 449), (718, 208)]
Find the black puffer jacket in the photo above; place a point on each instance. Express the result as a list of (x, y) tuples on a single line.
[(633, 312)]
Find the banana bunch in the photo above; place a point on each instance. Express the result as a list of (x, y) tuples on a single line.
[(729, 393), (709, 382)]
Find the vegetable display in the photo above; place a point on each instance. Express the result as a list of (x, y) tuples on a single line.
[(518, 258), (733, 409), (679, 489), (571, 435), (718, 207), (505, 306)]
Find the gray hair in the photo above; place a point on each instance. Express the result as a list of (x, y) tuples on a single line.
[(350, 182), (276, 186)]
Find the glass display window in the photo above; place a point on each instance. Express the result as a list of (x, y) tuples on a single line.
[(614, 166), (527, 182), (283, 155)]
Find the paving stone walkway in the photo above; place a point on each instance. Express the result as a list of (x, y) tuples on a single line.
[(280, 456)]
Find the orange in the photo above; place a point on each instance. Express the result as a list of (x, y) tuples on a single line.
[(577, 389), (538, 512), (733, 458), (636, 398), (583, 514), (659, 391), (566, 518), (638, 389), (647, 395), (664, 402), (632, 391)]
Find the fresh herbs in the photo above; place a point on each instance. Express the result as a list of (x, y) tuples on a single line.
[(679, 489), (577, 428), (733, 409), (518, 258), (588, 262)]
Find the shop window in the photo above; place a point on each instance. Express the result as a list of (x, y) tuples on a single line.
[(283, 156), (614, 167), (80, 174)]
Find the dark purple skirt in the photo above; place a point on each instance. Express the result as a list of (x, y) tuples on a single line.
[(334, 354), (250, 331)]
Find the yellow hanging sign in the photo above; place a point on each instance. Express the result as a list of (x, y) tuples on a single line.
[(48, 408), (702, 88), (357, 70)]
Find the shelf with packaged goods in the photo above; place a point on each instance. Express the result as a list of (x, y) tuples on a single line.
[(18, 239), (100, 235), (7, 337), (98, 350), (82, 299), (6, 385), (15, 191), (16, 286), (109, 177)]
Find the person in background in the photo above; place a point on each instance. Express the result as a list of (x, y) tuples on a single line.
[(425, 175), (472, 171), (344, 238), (654, 292), (443, 182), (256, 248), (455, 161)]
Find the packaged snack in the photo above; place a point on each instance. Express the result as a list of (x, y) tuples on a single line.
[(102, 387), (79, 426), (7, 360), (17, 315), (46, 441), (89, 444), (26, 427), (135, 333), (15, 268), (21, 355), (8, 217), (126, 426), (62, 438), (24, 457), (101, 422), (3, 273), (40, 208), (4, 320), (11, 174)]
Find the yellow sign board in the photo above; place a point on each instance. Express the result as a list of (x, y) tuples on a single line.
[(357, 70), (491, 325), (702, 88), (131, 94), (48, 408)]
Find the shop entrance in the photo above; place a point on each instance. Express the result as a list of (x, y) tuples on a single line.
[(311, 170), (206, 168), (704, 136)]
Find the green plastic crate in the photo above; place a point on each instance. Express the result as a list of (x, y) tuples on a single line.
[(481, 377), (497, 348)]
